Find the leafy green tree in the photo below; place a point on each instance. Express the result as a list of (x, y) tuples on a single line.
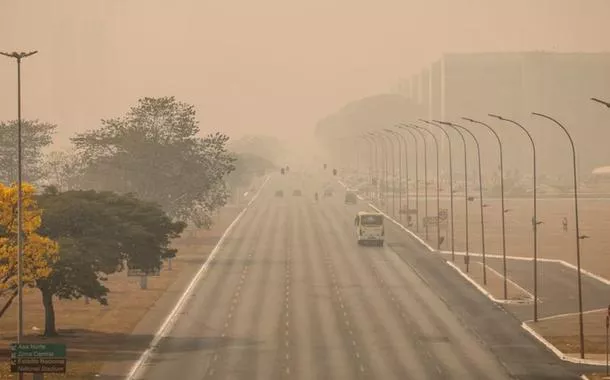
[(36, 136), (155, 153), (98, 233)]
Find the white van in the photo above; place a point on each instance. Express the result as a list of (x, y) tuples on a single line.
[(369, 228)]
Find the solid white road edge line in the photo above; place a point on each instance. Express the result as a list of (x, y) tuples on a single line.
[(172, 316), (566, 315)]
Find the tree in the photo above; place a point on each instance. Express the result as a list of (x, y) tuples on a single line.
[(60, 169), (39, 253), (269, 148), (35, 137), (248, 166), (98, 233), (154, 152)]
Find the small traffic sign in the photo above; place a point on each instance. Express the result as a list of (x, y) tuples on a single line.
[(38, 358)]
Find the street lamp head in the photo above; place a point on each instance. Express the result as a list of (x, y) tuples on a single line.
[(496, 116), (19, 55), (601, 102), (469, 119)]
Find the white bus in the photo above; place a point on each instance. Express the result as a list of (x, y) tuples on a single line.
[(369, 228)]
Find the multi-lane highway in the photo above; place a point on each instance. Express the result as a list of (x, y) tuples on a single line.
[(292, 296)]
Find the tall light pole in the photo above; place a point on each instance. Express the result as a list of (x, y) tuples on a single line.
[(502, 200), (399, 170), (578, 236), (481, 204), (404, 142), (371, 158), (385, 166), (450, 183), (535, 221), (423, 137), (19, 57), (438, 188), (405, 127), (467, 256), (393, 162)]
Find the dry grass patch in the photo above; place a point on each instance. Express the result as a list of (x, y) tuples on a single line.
[(562, 332), (95, 334)]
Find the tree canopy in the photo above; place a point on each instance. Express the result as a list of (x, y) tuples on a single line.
[(35, 137), (154, 152), (98, 232), (248, 166), (39, 252)]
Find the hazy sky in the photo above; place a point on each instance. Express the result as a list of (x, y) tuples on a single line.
[(270, 66)]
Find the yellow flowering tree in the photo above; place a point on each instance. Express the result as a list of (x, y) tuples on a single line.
[(39, 252)]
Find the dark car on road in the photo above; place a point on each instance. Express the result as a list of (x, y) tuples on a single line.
[(279, 193), (351, 198)]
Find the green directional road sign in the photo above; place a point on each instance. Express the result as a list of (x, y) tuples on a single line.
[(38, 357)]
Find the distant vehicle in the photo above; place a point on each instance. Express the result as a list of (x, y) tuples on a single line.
[(279, 193), (328, 192), (296, 193), (282, 171), (351, 198), (369, 228)]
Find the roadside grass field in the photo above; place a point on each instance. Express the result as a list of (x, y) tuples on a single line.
[(96, 334), (562, 332), (553, 241)]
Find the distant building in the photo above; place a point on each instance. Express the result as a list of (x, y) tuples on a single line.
[(514, 85)]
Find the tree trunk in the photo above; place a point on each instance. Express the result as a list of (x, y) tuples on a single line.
[(8, 303), (49, 312)]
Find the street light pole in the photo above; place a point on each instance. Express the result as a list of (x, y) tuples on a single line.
[(450, 183), (578, 236), (423, 137), (396, 135), (385, 170), (467, 256), (19, 57), (405, 127), (370, 145), (391, 144), (372, 136), (535, 221), (476, 141), (404, 142), (438, 188), (502, 200)]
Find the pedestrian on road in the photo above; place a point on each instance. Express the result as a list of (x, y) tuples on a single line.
[(565, 224)]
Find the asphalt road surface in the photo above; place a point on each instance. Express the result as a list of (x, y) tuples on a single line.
[(292, 296)]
